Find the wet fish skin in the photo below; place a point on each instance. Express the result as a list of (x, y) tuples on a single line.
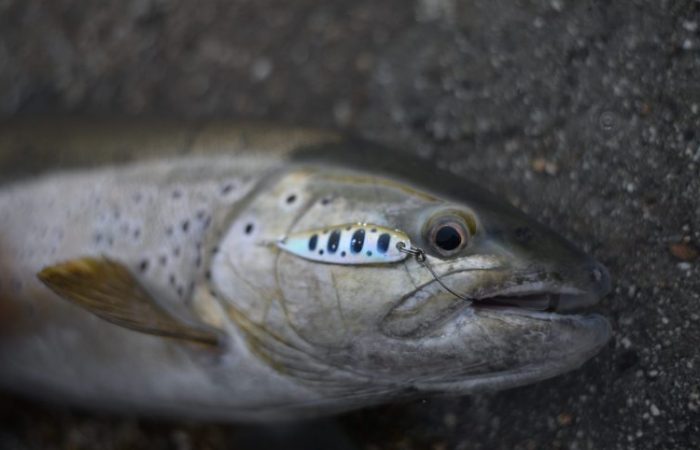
[(186, 211)]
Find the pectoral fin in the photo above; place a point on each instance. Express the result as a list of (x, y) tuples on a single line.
[(107, 289)]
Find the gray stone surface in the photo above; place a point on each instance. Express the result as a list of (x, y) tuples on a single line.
[(585, 114)]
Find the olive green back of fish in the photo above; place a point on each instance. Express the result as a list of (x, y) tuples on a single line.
[(33, 146)]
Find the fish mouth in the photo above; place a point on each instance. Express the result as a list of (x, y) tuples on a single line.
[(593, 284), (554, 300), (435, 304), (504, 296)]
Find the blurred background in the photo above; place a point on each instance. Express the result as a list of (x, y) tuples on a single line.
[(586, 114)]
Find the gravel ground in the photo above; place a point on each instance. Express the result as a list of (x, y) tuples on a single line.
[(586, 114)]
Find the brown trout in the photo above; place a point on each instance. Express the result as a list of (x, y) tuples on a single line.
[(242, 272)]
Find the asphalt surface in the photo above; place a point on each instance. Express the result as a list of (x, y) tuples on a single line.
[(585, 114)]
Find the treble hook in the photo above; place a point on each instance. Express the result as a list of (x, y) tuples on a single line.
[(419, 254)]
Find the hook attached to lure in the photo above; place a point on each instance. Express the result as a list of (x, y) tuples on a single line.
[(419, 254)]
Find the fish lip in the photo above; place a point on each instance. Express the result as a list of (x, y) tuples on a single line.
[(538, 297), (543, 293)]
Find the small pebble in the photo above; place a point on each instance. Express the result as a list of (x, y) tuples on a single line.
[(654, 410), (684, 251), (565, 419), (541, 165)]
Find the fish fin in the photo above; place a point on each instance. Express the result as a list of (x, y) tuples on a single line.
[(107, 289)]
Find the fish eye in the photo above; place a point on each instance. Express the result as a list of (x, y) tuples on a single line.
[(448, 235)]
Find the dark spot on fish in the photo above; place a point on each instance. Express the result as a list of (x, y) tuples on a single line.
[(215, 250), (137, 233), (110, 241), (383, 242), (169, 230), (137, 197), (185, 226), (333, 241), (177, 194), (163, 260), (249, 228), (198, 261), (357, 241), (313, 241), (171, 279), (190, 288), (143, 266), (212, 293), (291, 199), (207, 274), (207, 222), (200, 214), (98, 238), (226, 189), (179, 291), (325, 200), (176, 251)]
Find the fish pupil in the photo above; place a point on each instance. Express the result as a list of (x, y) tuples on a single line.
[(313, 241), (383, 242), (357, 241), (333, 241), (448, 238)]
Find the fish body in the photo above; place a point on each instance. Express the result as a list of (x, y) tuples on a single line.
[(160, 228)]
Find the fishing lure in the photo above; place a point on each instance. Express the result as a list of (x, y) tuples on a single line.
[(356, 243)]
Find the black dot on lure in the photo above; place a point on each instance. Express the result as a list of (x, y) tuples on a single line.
[(313, 241), (333, 241), (357, 241)]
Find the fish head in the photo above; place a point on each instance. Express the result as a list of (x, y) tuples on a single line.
[(488, 307)]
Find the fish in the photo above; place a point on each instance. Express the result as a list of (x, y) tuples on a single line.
[(161, 268)]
